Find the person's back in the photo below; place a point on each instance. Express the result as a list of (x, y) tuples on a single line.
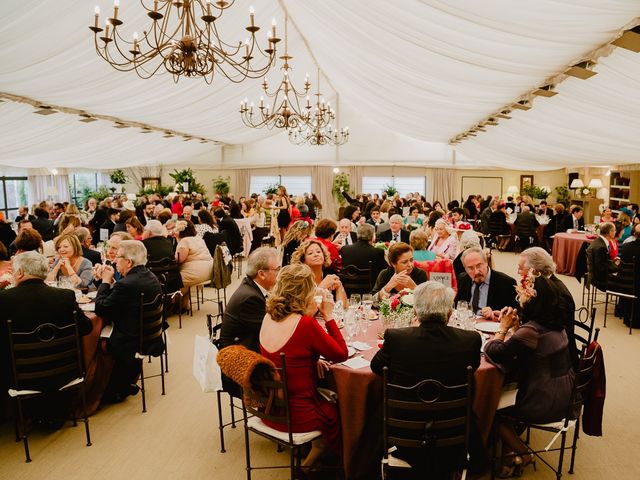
[(526, 224), (158, 248)]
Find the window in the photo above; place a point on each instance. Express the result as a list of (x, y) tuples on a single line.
[(80, 184), (13, 194), (404, 185), (296, 185)]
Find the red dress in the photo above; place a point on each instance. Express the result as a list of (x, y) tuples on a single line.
[(309, 411)]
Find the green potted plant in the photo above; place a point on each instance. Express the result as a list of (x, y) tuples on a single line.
[(390, 190), (222, 185), (562, 195), (273, 188), (340, 184), (183, 179), (118, 177), (536, 192)]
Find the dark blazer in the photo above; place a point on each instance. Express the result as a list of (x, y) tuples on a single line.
[(387, 235), (7, 235), (353, 235), (360, 254), (33, 303), (631, 252), (119, 304), (567, 223), (501, 293), (158, 248), (599, 262), (526, 224), (93, 256), (107, 225), (243, 316), (45, 228), (417, 275), (230, 228)]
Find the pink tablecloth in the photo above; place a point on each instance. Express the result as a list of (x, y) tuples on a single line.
[(565, 251), (360, 403), (98, 364)]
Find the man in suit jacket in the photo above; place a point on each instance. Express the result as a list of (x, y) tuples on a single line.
[(485, 289), (30, 304), (157, 244), (43, 224), (118, 303), (344, 236), (362, 252), (526, 224), (110, 223), (598, 260), (431, 350), (229, 227), (146, 212), (395, 233), (84, 236), (573, 221)]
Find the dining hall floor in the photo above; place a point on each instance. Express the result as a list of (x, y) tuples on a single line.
[(178, 436)]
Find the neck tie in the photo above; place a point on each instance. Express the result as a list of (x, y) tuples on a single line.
[(575, 223), (396, 237), (476, 298)]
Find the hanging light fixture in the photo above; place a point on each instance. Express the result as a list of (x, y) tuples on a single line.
[(181, 44), (288, 108), (319, 129)]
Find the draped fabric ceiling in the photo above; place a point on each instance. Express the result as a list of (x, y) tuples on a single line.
[(427, 70)]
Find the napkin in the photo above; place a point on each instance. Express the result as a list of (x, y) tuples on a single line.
[(360, 346), (88, 307), (356, 363)]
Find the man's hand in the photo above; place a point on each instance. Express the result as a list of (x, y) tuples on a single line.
[(107, 274), (487, 312)]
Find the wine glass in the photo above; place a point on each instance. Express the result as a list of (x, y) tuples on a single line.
[(363, 321), (367, 302), (354, 300), (351, 323)]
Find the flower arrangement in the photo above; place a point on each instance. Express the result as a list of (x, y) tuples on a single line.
[(340, 184), (525, 289), (397, 310), (384, 245), (464, 226)]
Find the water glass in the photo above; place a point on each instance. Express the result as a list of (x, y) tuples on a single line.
[(367, 302), (351, 323), (462, 305), (363, 321), (338, 312), (354, 300)]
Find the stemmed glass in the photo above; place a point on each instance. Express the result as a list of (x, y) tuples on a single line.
[(351, 323), (367, 303), (354, 300)]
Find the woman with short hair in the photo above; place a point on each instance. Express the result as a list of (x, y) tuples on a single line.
[(70, 266), (400, 274)]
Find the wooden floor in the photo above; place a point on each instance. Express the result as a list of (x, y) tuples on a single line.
[(178, 437)]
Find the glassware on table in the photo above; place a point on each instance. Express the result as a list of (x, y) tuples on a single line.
[(354, 300), (363, 320), (317, 296), (367, 302), (351, 323), (338, 312), (462, 305)]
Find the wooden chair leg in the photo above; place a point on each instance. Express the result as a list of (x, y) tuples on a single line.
[(86, 416), (23, 433)]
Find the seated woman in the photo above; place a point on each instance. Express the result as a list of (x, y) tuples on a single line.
[(193, 256), (298, 233), (607, 216), (70, 266), (289, 326), (205, 224), (419, 240), (444, 244), (314, 254), (134, 228), (538, 351), (325, 230), (400, 274), (415, 217)]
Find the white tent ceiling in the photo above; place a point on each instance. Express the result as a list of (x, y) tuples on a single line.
[(426, 70)]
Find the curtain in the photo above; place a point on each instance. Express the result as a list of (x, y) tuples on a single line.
[(355, 179), (48, 187), (443, 186), (322, 184), (242, 182)]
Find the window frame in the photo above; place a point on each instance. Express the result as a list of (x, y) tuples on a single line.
[(5, 208)]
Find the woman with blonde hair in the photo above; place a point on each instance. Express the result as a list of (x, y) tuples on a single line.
[(289, 327), (298, 233), (315, 255), (193, 257), (70, 265)]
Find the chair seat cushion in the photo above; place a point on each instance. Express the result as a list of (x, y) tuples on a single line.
[(555, 425), (298, 438)]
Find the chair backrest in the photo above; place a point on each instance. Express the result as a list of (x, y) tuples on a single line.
[(46, 358), (582, 379), (168, 272), (356, 280), (622, 280), (152, 321), (428, 415), (269, 397), (583, 326)]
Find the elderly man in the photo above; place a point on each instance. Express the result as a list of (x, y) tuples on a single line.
[(344, 236), (486, 290), (30, 304), (573, 221), (156, 241), (362, 252), (118, 303), (187, 214), (84, 236), (430, 350), (246, 308), (395, 233)]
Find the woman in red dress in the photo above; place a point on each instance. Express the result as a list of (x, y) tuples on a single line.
[(289, 327)]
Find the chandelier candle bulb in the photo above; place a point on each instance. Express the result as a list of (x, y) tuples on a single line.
[(155, 5), (251, 15), (97, 15), (273, 28), (116, 6)]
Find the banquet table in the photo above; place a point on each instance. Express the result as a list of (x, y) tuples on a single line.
[(566, 247), (98, 365), (360, 404)]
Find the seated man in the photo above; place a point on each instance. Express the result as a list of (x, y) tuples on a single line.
[(630, 252), (344, 236), (572, 221), (526, 225), (362, 252), (230, 229), (84, 237), (431, 350), (32, 303), (599, 261), (395, 233), (118, 303), (485, 289), (156, 242)]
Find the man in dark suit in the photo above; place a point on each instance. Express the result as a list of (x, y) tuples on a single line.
[(431, 350), (146, 212), (630, 252), (395, 233), (526, 225), (23, 214), (110, 223), (344, 236), (485, 289), (245, 310), (118, 303), (30, 304), (43, 224), (573, 221), (157, 244), (84, 236), (599, 263), (230, 229), (362, 252)]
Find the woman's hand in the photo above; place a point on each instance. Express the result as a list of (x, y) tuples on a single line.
[(330, 282), (322, 367), (508, 318)]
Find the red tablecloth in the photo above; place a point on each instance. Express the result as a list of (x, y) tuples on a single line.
[(565, 251), (360, 404)]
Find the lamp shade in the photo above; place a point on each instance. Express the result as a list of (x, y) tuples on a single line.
[(595, 183), (577, 183), (513, 189)]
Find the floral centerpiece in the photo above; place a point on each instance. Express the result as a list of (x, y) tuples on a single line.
[(384, 245), (397, 310)]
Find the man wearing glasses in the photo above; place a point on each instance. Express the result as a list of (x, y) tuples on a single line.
[(118, 303), (246, 308)]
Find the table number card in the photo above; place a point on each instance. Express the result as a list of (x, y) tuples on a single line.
[(104, 234), (442, 277)]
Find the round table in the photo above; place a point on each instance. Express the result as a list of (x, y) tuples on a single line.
[(566, 247)]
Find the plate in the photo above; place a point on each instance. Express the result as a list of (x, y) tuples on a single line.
[(84, 299), (373, 315), (350, 351), (488, 327), (88, 307)]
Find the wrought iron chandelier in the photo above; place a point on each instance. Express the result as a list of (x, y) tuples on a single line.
[(288, 108), (319, 130), (181, 44)]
